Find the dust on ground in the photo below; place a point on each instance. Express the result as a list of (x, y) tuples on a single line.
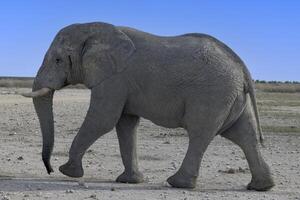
[(224, 172)]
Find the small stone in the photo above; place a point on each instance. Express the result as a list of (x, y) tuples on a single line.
[(26, 195), (242, 170), (12, 134), (90, 151), (69, 191), (38, 194), (112, 189), (5, 198), (231, 171), (93, 196), (173, 165), (166, 142), (81, 183), (20, 158)]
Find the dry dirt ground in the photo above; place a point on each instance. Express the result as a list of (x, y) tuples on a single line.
[(223, 175)]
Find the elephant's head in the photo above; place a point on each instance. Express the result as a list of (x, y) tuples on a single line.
[(80, 53)]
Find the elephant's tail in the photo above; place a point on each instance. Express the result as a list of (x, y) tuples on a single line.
[(249, 88)]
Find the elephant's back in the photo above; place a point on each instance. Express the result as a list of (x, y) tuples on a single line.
[(188, 60), (197, 47)]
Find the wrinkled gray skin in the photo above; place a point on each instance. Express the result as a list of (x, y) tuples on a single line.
[(192, 81)]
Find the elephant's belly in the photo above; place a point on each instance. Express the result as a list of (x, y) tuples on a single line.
[(167, 122), (168, 114)]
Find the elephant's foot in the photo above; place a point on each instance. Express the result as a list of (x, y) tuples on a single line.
[(130, 177), (71, 169), (261, 185), (179, 180)]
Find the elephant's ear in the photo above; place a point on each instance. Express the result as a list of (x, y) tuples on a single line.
[(121, 49), (105, 54)]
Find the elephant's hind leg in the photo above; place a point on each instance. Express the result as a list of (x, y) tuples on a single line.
[(243, 133), (202, 126), (186, 176), (126, 130)]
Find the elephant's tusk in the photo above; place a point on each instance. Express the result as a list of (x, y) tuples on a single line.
[(37, 93)]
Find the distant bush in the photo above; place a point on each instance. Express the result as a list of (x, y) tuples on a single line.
[(260, 81), (277, 82)]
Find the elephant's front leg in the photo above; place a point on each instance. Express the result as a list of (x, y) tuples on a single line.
[(126, 130), (106, 105)]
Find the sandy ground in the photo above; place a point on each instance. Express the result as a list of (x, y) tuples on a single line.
[(22, 174)]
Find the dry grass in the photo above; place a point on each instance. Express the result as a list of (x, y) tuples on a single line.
[(16, 82), (25, 82), (281, 129), (280, 111), (278, 87)]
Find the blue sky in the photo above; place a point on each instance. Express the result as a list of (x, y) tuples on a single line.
[(265, 33)]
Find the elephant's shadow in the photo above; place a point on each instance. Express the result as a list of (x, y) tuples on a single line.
[(10, 184)]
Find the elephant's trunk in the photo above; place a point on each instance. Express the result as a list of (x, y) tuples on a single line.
[(44, 110)]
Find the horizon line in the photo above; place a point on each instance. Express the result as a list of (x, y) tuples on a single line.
[(256, 80)]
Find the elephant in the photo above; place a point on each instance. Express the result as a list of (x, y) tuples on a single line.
[(192, 81)]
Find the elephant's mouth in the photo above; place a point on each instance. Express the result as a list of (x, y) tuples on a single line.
[(38, 93)]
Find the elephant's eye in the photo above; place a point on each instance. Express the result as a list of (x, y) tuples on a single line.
[(57, 60)]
